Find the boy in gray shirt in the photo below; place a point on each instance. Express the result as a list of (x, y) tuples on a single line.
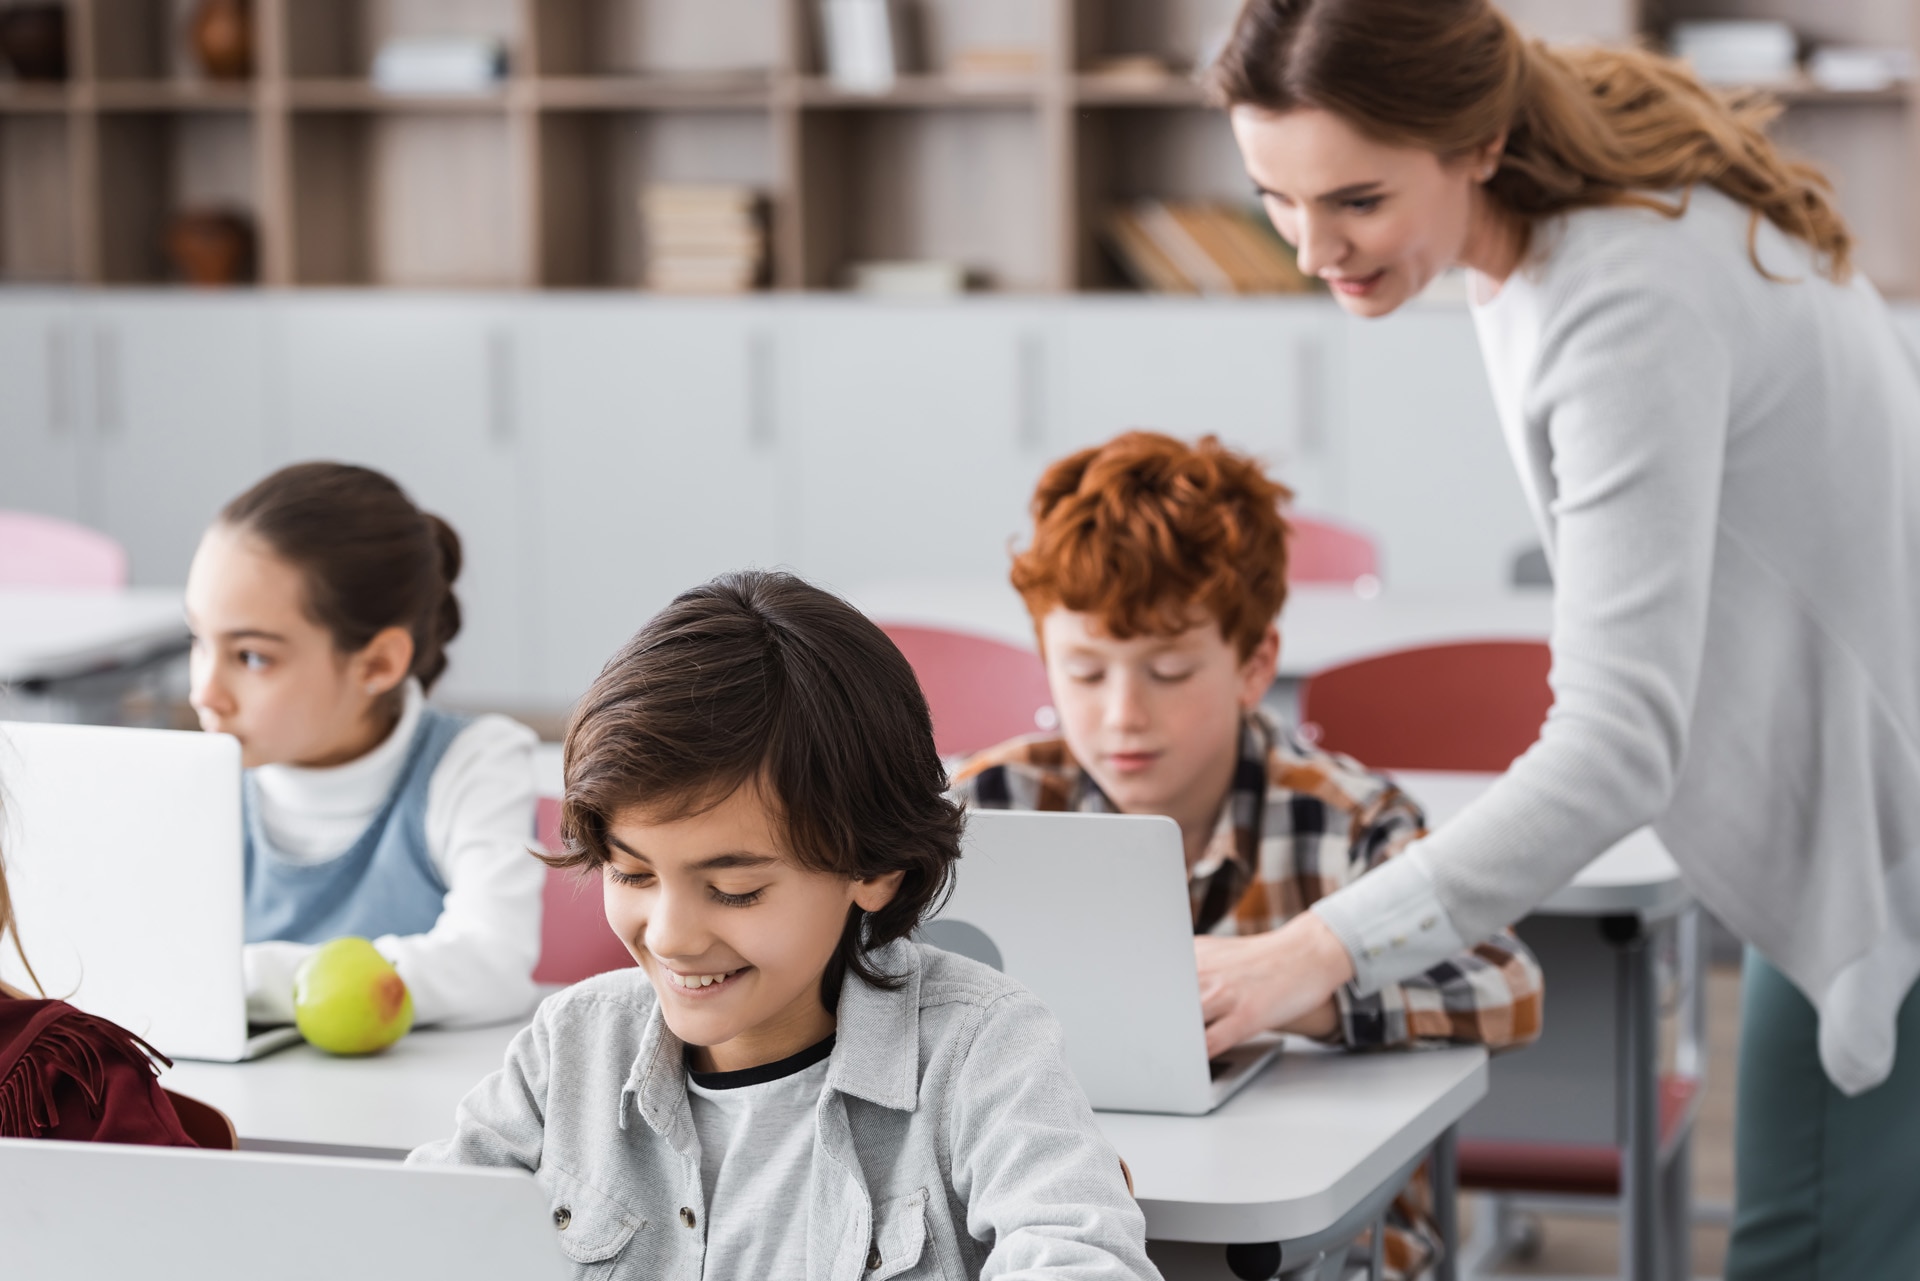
[(787, 1085)]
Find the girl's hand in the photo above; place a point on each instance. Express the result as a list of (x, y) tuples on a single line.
[(1280, 981)]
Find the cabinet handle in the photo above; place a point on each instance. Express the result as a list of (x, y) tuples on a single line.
[(1030, 431), (109, 415), (762, 420), (1309, 378), (501, 426), (59, 386)]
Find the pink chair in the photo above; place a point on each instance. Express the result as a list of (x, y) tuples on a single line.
[(1322, 551), (45, 551), (981, 691), (1470, 706), (575, 940)]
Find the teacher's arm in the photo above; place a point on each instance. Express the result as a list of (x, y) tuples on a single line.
[(1630, 401)]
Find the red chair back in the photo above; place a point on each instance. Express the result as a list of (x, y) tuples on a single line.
[(1473, 706), (1322, 551), (575, 940), (44, 551), (980, 691)]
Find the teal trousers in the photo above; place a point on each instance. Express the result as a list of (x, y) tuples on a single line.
[(1826, 1186)]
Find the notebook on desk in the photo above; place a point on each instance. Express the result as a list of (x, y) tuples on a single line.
[(244, 1216), (125, 863)]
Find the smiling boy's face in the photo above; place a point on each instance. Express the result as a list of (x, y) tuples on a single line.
[(731, 929), (1154, 719)]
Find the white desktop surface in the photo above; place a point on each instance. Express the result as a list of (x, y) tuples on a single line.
[(1321, 626), (1285, 1158), (1637, 875), (47, 634), (1291, 1154), (392, 1101)]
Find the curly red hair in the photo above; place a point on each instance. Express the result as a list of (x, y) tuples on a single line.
[(1146, 529)]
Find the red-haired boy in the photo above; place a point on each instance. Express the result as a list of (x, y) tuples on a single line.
[(1155, 578)]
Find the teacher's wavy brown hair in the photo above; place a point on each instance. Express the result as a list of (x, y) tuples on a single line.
[(1584, 125), (761, 678)]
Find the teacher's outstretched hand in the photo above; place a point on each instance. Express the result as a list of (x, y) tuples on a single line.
[(1718, 430)]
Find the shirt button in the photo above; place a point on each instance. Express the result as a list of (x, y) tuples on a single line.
[(1400, 940), (873, 1257), (562, 1217), (1429, 923), (686, 1216)]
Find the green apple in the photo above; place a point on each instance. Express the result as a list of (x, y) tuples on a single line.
[(347, 998)]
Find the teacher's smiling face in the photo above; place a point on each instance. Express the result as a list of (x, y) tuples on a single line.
[(1376, 222)]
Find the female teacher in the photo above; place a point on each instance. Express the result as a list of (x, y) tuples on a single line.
[(1719, 432)]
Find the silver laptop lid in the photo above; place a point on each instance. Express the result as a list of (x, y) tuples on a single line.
[(105, 1210), (123, 855), (1090, 912)]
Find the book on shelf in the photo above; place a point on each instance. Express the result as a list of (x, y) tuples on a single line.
[(709, 239), (1201, 247)]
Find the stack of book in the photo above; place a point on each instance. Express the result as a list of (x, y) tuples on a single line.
[(1201, 248), (704, 239)]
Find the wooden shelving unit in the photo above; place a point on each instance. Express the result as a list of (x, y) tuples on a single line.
[(535, 184)]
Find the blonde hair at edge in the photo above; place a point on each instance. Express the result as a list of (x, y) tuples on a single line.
[(7, 933), (1586, 126)]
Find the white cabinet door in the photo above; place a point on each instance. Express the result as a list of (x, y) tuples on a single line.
[(1432, 478), (428, 390), (1263, 376), (39, 411), (661, 460), (177, 420), (920, 433)]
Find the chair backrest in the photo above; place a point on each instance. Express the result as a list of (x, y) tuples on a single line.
[(1323, 551), (1471, 706), (981, 691), (45, 551), (204, 1123), (575, 941)]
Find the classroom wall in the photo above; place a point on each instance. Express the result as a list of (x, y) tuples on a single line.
[(598, 453)]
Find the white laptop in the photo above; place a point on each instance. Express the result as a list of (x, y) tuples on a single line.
[(124, 857), (177, 1214), (1090, 912)]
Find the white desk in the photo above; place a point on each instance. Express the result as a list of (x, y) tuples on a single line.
[(1635, 893), (1321, 627), (75, 656), (1317, 1141), (53, 635)]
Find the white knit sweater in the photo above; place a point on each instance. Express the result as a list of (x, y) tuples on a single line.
[(1726, 473)]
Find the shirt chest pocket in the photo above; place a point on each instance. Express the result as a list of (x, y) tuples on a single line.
[(592, 1228), (900, 1247)]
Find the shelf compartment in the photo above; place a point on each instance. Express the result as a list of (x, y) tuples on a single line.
[(336, 39), (596, 163), (914, 91), (173, 95), (647, 38), (20, 98), (1180, 36), (36, 200), (363, 96), (900, 185), (1137, 152), (1091, 90), (692, 91), (154, 164), (944, 31), (423, 200)]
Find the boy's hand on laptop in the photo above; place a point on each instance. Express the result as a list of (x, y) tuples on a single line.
[(1282, 981)]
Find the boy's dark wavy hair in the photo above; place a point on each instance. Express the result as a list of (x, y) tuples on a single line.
[(762, 678)]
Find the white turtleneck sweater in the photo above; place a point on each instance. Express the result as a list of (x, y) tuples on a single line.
[(476, 964), (1726, 473)]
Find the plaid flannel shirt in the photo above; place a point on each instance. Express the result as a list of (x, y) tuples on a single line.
[(1297, 824)]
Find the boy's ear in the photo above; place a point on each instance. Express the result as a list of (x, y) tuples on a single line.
[(874, 894), (385, 661), (1257, 674)]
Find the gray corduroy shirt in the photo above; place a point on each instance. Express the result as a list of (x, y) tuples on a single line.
[(951, 1139)]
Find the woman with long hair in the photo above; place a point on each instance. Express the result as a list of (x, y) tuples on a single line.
[(1718, 430)]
